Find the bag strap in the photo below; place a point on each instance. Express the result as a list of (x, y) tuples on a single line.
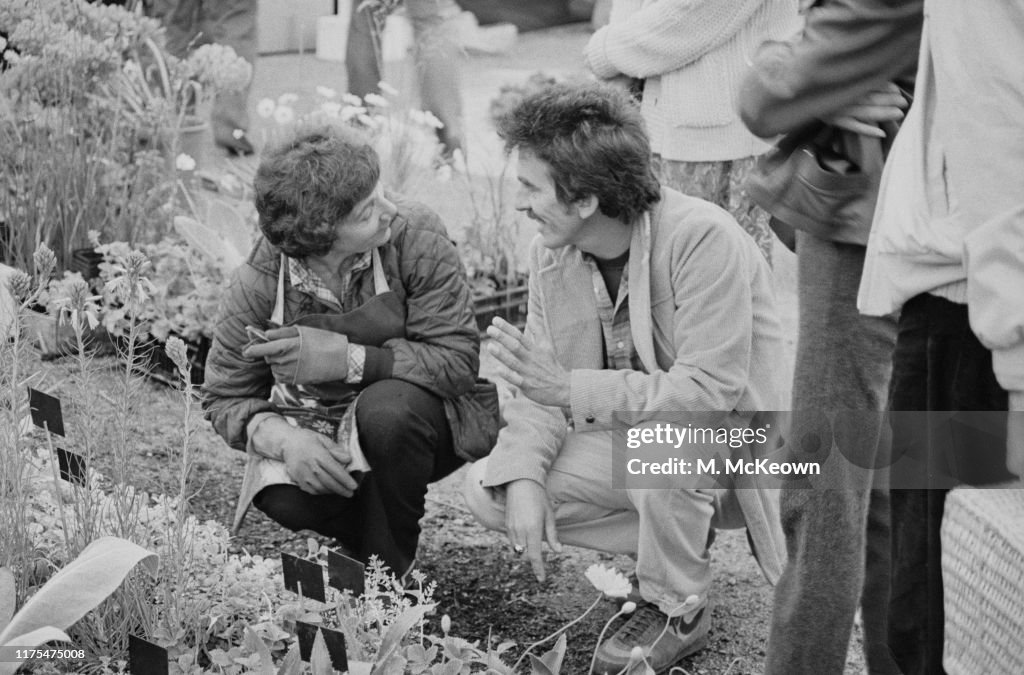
[(277, 316)]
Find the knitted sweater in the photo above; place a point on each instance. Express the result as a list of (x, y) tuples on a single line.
[(693, 55)]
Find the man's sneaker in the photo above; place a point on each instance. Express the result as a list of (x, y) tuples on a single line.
[(683, 637), (634, 592)]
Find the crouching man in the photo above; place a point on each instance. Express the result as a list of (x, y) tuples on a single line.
[(641, 299)]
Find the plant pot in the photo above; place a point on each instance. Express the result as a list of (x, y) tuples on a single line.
[(86, 262), (193, 138), (510, 304)]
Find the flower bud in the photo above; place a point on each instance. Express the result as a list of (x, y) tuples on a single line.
[(446, 624), (628, 607)]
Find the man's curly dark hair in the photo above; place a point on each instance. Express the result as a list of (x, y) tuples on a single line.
[(308, 183), (593, 139)]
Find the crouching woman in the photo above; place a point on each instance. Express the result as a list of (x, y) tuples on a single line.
[(344, 345)]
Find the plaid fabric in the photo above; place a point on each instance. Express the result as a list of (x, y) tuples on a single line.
[(620, 352), (305, 280), (356, 363)]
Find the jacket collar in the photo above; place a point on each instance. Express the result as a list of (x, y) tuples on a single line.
[(567, 281)]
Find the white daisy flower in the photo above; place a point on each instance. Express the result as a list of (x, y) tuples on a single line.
[(326, 92), (184, 162), (265, 108), (284, 115), (376, 100), (611, 582)]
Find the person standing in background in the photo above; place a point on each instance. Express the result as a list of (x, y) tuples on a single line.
[(843, 70), (437, 57), (947, 252), (191, 23), (692, 56)]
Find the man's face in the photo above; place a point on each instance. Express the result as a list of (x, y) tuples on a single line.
[(558, 224)]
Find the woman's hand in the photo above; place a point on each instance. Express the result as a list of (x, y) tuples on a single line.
[(317, 464), (303, 355)]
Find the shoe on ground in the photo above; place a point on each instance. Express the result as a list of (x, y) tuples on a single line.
[(686, 635)]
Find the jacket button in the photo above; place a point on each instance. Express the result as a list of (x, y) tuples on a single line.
[(590, 419)]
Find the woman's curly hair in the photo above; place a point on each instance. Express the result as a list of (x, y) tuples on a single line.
[(593, 139), (308, 183)]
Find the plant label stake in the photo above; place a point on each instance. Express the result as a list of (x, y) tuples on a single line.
[(72, 466), (46, 412), (303, 577), (345, 573), (146, 657), (335, 641)]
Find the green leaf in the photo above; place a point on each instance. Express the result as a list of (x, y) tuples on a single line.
[(319, 657), (292, 663), (8, 596), (256, 645), (551, 662), (32, 639), (359, 667), (79, 587), (396, 631)]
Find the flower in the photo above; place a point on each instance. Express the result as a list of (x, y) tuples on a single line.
[(265, 108), (45, 261), (351, 99), (178, 353), (284, 115), (446, 624), (184, 162), (331, 108), (376, 100), (287, 99), (387, 88), (611, 582), (326, 92), (627, 607), (20, 285), (689, 606)]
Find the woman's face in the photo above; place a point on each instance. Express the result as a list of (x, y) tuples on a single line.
[(367, 226)]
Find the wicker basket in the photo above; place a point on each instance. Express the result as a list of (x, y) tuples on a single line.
[(983, 578)]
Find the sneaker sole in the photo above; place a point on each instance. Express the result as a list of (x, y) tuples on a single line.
[(693, 649)]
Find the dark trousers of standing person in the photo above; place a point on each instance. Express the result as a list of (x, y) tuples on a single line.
[(939, 365), (233, 23), (837, 533), (404, 433), (438, 55)]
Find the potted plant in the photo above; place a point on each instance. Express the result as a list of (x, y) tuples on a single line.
[(178, 93)]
